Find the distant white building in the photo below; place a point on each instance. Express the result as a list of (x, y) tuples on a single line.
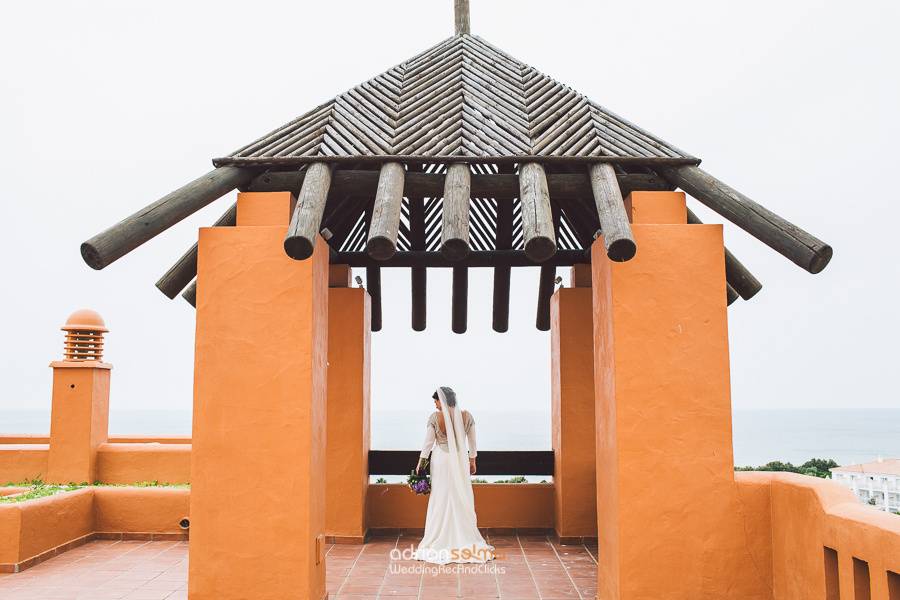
[(876, 483)]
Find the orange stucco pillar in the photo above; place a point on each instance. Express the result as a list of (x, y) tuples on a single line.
[(347, 447), (258, 458), (572, 386), (669, 518), (79, 414)]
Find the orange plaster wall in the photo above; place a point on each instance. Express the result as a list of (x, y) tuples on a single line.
[(261, 209), (10, 533), (140, 510), (24, 438), (55, 520), (496, 504), (78, 420), (808, 514), (573, 438), (23, 462), (135, 463), (658, 208), (347, 454), (258, 464), (30, 438), (32, 527), (119, 463), (155, 439), (340, 276), (668, 507)]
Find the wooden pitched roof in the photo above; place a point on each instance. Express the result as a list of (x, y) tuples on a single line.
[(461, 156), (462, 98)]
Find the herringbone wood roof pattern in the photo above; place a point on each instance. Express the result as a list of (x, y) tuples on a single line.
[(462, 98)]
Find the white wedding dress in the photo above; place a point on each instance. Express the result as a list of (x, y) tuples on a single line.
[(451, 528)]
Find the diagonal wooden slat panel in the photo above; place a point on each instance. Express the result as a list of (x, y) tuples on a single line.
[(460, 98)]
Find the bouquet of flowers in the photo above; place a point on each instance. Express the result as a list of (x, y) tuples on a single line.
[(419, 484)]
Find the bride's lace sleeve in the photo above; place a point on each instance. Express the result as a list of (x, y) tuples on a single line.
[(429, 439)]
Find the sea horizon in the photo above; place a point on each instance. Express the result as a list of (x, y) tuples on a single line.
[(849, 436)]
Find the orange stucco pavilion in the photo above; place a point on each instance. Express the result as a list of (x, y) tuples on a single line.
[(464, 157)]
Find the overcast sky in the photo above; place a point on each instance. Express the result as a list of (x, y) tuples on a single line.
[(106, 106)]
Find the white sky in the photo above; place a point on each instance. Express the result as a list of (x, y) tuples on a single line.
[(106, 106)]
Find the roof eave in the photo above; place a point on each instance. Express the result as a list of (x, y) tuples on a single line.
[(291, 161)]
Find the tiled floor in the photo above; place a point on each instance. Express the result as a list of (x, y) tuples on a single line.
[(527, 567), (102, 570)]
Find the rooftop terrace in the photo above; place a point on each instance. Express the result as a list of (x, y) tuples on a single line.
[(529, 567)]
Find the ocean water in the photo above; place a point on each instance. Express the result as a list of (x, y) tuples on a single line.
[(847, 436)]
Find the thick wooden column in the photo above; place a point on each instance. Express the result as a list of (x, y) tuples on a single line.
[(669, 521), (258, 459), (347, 439), (572, 386)]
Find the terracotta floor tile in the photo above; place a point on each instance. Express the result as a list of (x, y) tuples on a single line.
[(139, 570)]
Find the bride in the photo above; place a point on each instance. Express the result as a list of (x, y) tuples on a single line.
[(451, 529)]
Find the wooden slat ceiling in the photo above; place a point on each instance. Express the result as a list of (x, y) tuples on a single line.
[(461, 98)]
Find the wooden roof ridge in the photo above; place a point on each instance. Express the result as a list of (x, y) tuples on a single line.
[(462, 97)]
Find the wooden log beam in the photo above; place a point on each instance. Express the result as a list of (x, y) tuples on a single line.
[(500, 305), (504, 241), (418, 275), (184, 270), (617, 236), (460, 299), (476, 259), (419, 284), (373, 286), (739, 277), (547, 279), (502, 186), (293, 162), (306, 220), (490, 462), (546, 285), (461, 17), (373, 275), (795, 244), (730, 295), (385, 224), (112, 244), (455, 225), (190, 294), (537, 216)]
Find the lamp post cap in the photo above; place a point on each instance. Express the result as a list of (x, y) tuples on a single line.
[(85, 320)]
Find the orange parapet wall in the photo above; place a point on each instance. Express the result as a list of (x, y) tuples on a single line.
[(669, 523), (347, 472), (498, 506), (136, 463), (23, 462), (258, 456), (813, 518), (572, 386), (38, 529)]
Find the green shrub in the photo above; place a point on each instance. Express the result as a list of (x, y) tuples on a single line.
[(814, 467)]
